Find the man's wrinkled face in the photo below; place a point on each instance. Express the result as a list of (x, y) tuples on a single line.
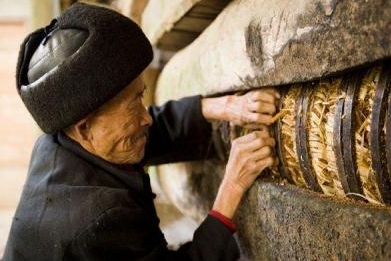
[(118, 130)]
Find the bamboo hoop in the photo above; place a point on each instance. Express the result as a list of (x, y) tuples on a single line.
[(377, 135), (287, 145)]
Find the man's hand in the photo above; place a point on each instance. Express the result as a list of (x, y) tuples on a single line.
[(250, 110), (249, 156), (251, 153), (253, 108)]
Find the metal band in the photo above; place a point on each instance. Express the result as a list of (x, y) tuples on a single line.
[(302, 138), (388, 134), (353, 84), (337, 137), (377, 137)]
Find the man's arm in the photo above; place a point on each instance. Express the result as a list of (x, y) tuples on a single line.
[(181, 130), (251, 110)]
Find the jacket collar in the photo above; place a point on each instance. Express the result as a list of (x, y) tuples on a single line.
[(134, 177)]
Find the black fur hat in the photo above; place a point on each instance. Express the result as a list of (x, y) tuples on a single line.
[(81, 60)]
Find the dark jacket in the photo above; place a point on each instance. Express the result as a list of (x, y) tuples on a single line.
[(76, 206)]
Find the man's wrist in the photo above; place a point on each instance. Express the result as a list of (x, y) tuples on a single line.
[(223, 219), (227, 199), (214, 108)]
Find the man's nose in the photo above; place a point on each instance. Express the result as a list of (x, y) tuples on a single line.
[(146, 119)]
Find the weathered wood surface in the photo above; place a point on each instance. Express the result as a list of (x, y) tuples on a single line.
[(172, 25), (260, 42), (159, 16)]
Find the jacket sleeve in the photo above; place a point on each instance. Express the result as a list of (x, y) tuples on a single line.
[(212, 241), (121, 234), (179, 133)]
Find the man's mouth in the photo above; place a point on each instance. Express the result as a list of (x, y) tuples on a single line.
[(143, 134)]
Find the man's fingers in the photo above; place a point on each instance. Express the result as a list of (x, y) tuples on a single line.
[(262, 153), (262, 107), (253, 144), (266, 163), (269, 95), (255, 126), (255, 167), (259, 118), (274, 92), (262, 95), (253, 136)]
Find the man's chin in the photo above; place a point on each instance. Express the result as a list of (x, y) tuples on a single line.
[(125, 159), (136, 158)]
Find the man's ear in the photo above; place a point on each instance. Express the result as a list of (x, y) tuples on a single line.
[(80, 131)]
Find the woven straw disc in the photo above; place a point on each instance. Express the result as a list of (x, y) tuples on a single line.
[(363, 128), (288, 136), (320, 131)]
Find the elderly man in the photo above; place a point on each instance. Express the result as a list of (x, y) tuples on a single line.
[(87, 196)]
